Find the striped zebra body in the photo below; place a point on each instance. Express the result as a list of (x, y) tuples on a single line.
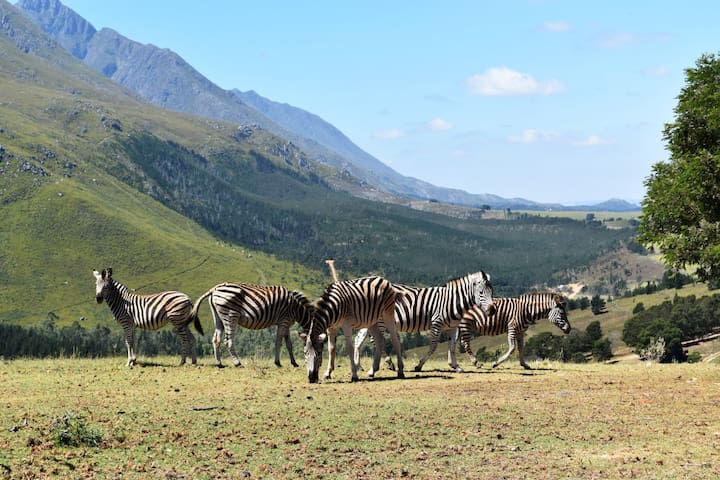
[(437, 309), (358, 303), (148, 312), (513, 316), (255, 307)]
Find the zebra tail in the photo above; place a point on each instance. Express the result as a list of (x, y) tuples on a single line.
[(196, 306), (197, 324)]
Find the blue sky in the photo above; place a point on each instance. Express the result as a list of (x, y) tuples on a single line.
[(553, 101)]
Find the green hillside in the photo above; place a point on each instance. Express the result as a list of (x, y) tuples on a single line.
[(92, 177)]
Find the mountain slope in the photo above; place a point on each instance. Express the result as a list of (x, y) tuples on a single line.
[(165, 79), (90, 176)]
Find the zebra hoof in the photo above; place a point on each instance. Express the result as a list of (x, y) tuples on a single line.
[(354, 379), (458, 370), (278, 364), (401, 374), (294, 364), (418, 368)]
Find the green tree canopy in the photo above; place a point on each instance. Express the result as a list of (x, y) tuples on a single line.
[(681, 209)]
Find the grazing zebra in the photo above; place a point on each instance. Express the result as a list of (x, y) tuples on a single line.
[(513, 316), (148, 312), (358, 303), (255, 307), (437, 309)]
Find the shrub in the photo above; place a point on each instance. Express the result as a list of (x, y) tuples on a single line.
[(71, 430)]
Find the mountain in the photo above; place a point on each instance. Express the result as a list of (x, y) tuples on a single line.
[(92, 176), (166, 80)]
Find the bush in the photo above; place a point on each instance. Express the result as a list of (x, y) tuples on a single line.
[(70, 430)]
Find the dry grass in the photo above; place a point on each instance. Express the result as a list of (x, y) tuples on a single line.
[(557, 421)]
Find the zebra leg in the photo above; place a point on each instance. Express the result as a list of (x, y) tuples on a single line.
[(379, 340), (187, 343), (465, 342), (511, 343), (350, 347), (391, 328), (434, 337), (130, 344), (288, 345), (520, 344), (452, 359), (278, 342), (331, 338), (229, 337), (359, 340), (217, 341), (217, 335)]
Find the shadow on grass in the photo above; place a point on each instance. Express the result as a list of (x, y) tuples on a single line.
[(151, 364)]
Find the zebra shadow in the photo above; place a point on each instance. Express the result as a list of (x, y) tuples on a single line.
[(409, 376), (511, 371), (157, 364)]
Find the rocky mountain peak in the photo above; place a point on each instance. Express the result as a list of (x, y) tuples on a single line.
[(68, 28)]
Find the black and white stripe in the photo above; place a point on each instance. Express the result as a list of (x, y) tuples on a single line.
[(513, 316), (358, 303), (438, 309), (148, 312), (255, 307)]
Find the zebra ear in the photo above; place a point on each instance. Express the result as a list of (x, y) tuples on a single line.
[(109, 272), (97, 274)]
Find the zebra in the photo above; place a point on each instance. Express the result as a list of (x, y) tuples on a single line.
[(437, 309), (357, 303), (513, 316), (148, 312), (255, 307)]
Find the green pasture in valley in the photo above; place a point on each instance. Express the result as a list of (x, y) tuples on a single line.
[(79, 418)]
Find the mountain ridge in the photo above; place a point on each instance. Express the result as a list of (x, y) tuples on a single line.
[(166, 80)]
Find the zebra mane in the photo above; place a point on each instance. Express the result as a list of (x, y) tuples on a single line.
[(461, 278), (543, 296), (300, 298)]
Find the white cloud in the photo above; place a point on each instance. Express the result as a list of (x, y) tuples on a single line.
[(616, 39), (657, 71), (558, 26), (439, 125), (499, 81), (389, 134), (592, 141), (532, 136)]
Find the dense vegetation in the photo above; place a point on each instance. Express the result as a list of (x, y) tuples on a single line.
[(245, 198), (575, 347), (676, 321), (681, 212)]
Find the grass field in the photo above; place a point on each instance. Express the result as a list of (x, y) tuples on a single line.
[(557, 421)]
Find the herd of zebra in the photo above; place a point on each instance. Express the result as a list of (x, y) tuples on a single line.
[(373, 305)]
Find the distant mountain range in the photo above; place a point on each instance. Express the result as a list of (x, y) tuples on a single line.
[(163, 78)]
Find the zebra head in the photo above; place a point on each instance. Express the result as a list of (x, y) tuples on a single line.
[(314, 336), (102, 280), (483, 292), (558, 314), (314, 339)]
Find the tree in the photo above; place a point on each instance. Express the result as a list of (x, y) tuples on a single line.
[(681, 211), (597, 305), (593, 331)]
